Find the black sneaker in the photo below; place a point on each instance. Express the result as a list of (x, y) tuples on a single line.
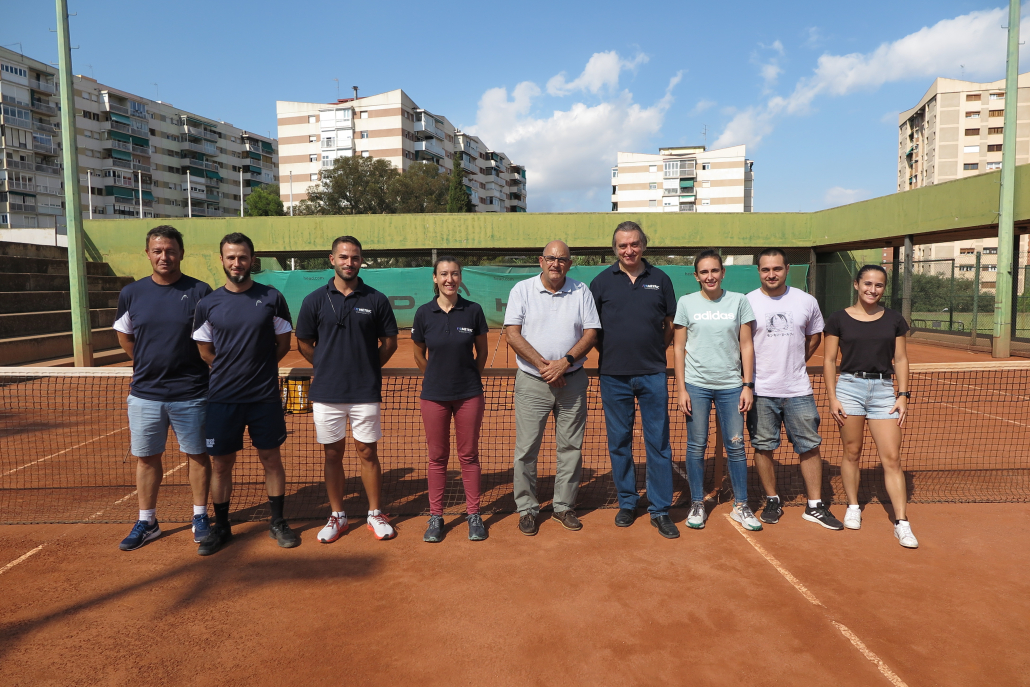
[(666, 527), (477, 530), (772, 512), (218, 538), (282, 533), (527, 524), (434, 530), (822, 515)]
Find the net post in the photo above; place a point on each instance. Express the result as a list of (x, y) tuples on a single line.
[(906, 293), (976, 299)]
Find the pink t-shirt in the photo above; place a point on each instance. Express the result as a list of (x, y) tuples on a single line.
[(781, 325)]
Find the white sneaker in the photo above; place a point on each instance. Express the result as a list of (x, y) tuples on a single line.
[(853, 519), (698, 515), (903, 531), (381, 527), (742, 514), (333, 529)]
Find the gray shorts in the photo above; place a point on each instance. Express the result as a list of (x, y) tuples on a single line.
[(798, 415), (149, 422)]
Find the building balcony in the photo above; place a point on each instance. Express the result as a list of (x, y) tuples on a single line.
[(212, 197), (47, 169), (428, 126), (116, 126), (18, 164), (45, 128), (17, 207), (469, 165), (50, 209), (254, 148), (190, 162), (117, 145), (108, 106), (111, 162), (19, 122), (429, 146), (45, 108), (44, 149), (141, 150), (42, 86), (200, 133), (196, 147)]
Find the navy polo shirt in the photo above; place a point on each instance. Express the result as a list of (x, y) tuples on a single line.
[(346, 331), (631, 340), (451, 372), (242, 327), (166, 365)]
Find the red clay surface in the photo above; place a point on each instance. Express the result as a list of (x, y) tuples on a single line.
[(604, 606)]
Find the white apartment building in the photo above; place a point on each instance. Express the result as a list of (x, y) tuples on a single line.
[(684, 179), (393, 127)]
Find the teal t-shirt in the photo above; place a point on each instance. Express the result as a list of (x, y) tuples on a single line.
[(713, 338)]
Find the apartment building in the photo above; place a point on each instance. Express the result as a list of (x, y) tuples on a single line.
[(684, 179), (31, 189), (393, 127)]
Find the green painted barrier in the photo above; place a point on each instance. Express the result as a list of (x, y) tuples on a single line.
[(410, 287)]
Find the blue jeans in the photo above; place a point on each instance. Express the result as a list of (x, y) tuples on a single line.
[(727, 402), (652, 393)]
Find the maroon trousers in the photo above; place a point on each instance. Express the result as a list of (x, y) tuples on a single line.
[(468, 418)]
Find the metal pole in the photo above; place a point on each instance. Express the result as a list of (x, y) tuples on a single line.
[(811, 271), (89, 187), (241, 190), (1015, 284), (976, 298), (140, 194), (1002, 309), (895, 278), (951, 299), (189, 194), (906, 293), (291, 193), (82, 336)]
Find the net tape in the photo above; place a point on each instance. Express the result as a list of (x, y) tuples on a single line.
[(64, 449)]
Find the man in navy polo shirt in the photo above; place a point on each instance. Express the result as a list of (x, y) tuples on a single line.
[(243, 331), (347, 331), (169, 380), (636, 304)]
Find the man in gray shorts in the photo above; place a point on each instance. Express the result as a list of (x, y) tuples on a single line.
[(551, 323)]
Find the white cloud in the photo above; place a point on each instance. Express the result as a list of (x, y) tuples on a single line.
[(568, 153), (602, 71), (814, 37), (701, 106), (770, 73), (974, 40), (842, 196)]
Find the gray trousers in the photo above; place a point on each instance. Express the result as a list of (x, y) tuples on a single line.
[(535, 400)]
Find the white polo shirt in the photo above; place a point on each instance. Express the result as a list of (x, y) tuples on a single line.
[(552, 323)]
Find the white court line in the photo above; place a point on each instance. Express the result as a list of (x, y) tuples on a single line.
[(990, 391), (848, 634), (54, 455), (977, 412), (21, 558), (134, 492)]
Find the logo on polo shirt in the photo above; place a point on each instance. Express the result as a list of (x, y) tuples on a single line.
[(363, 311), (465, 330), (185, 296), (653, 287), (256, 303), (709, 315)]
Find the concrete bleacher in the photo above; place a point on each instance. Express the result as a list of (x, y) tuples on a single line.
[(35, 302)]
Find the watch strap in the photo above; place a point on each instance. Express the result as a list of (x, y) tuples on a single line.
[(570, 359)]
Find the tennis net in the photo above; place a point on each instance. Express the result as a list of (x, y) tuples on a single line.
[(64, 449)]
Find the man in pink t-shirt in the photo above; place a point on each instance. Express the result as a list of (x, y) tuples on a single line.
[(788, 328)]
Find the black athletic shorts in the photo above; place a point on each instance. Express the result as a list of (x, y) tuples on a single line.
[(226, 422)]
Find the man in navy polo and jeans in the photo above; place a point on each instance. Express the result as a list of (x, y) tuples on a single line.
[(169, 380), (347, 331), (243, 330), (636, 304)]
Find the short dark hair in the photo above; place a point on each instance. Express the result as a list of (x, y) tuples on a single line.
[(237, 239), (770, 252), (866, 268), (629, 226), (345, 239), (168, 232), (704, 255)]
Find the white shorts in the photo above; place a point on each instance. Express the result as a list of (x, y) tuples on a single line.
[(331, 422)]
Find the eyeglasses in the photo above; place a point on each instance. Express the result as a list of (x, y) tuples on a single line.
[(551, 259)]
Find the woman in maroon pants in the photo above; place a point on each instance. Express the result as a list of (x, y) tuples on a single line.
[(450, 337)]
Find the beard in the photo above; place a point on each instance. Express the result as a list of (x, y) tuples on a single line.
[(342, 276), (238, 279)]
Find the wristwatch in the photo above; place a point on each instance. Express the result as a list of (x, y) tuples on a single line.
[(572, 361), (750, 385), (906, 394)]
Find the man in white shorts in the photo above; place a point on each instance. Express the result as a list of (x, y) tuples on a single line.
[(347, 331)]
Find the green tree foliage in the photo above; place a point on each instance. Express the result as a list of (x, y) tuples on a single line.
[(420, 189), (353, 186), (264, 201), (458, 199), (933, 293)]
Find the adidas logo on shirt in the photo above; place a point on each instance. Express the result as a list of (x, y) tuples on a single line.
[(714, 316)]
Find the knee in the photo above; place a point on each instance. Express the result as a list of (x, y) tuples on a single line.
[(891, 462), (221, 467), (150, 462), (852, 451)]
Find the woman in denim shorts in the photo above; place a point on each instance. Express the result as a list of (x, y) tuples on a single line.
[(871, 341)]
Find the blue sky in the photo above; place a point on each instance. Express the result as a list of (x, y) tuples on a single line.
[(813, 89)]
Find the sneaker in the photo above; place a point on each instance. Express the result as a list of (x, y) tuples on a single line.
[(434, 532), (853, 519), (822, 515), (141, 533), (333, 529), (381, 527), (218, 538), (567, 519), (201, 528), (742, 514), (698, 515), (282, 533), (903, 531), (772, 512), (477, 530), (527, 524)]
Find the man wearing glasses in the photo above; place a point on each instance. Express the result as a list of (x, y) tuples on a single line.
[(551, 324), (347, 331)]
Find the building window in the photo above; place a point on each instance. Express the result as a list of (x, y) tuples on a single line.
[(312, 157), (706, 201), (653, 185), (365, 153), (364, 134), (653, 168), (615, 190), (993, 165), (997, 96), (615, 174), (706, 184), (990, 268), (314, 177), (312, 119), (652, 203), (615, 207), (706, 166), (972, 115), (966, 268), (966, 251), (996, 113), (971, 149), (973, 98), (970, 166), (311, 139), (364, 115), (972, 132), (994, 148), (991, 251), (995, 130)]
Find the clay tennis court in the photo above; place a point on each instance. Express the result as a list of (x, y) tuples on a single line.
[(794, 603)]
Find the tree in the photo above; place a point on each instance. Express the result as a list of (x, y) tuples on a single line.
[(264, 201), (420, 189), (353, 186), (458, 199)]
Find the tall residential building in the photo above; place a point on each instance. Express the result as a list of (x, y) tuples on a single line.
[(685, 179), (390, 126), (31, 189)]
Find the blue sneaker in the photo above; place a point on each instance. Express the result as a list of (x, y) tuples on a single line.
[(201, 528), (142, 532)]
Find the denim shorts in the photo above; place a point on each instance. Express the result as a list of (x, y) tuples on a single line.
[(149, 422), (798, 415), (872, 398)]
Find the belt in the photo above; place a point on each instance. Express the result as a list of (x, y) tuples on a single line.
[(871, 375)]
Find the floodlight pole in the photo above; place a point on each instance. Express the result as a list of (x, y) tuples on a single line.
[(291, 193), (189, 194), (1003, 317), (82, 335), (241, 190)]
